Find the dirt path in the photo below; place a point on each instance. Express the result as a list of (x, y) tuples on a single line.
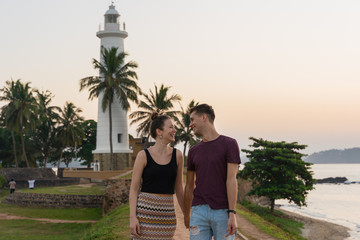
[(5, 216), (181, 232)]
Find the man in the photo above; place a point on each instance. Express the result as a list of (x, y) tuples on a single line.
[(213, 163), (12, 185)]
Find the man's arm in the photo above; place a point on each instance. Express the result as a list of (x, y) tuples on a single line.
[(189, 190), (232, 189)]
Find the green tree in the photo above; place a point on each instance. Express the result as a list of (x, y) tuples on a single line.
[(115, 83), (44, 135), (278, 172), (21, 111), (184, 132), (69, 130), (9, 95), (157, 101), (88, 144)]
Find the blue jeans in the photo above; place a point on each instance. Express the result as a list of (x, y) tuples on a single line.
[(206, 223)]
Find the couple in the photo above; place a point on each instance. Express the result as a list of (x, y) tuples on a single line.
[(158, 173)]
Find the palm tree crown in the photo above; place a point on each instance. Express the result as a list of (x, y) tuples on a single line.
[(21, 111), (69, 131), (157, 101), (116, 81)]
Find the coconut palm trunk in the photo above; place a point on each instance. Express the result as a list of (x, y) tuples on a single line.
[(61, 154), (14, 149), (110, 136), (45, 160), (185, 145), (23, 149)]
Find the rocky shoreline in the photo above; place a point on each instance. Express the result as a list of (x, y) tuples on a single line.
[(315, 229), (336, 180)]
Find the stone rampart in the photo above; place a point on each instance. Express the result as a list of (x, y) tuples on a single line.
[(244, 187), (116, 194), (54, 200)]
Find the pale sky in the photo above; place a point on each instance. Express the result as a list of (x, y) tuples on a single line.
[(280, 70)]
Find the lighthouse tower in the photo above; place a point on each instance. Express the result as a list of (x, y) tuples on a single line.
[(112, 36)]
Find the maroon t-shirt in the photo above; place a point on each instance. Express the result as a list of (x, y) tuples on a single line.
[(209, 161)]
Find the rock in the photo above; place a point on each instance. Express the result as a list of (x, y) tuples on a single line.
[(335, 180)]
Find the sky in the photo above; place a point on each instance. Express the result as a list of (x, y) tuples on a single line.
[(279, 70)]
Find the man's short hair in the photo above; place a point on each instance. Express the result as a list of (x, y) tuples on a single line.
[(204, 109)]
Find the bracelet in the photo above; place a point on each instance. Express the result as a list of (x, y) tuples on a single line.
[(231, 211)]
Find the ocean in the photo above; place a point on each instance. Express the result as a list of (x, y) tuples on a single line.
[(336, 203)]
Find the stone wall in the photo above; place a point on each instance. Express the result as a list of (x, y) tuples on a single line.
[(54, 200), (244, 187), (44, 177), (100, 175), (27, 173), (116, 194), (120, 161)]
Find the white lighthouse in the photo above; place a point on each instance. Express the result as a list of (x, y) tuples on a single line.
[(112, 36)]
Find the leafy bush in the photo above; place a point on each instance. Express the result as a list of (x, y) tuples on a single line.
[(2, 181)]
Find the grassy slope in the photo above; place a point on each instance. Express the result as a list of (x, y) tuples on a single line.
[(114, 225), (277, 225)]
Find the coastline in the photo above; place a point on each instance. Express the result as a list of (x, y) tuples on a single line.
[(315, 229)]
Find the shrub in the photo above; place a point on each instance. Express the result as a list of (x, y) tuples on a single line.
[(2, 181)]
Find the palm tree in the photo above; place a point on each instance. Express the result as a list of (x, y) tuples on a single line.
[(45, 133), (116, 83), (69, 131), (157, 101), (9, 95), (184, 132), (21, 112)]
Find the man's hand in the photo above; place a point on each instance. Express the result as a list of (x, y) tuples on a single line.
[(232, 225), (187, 220)]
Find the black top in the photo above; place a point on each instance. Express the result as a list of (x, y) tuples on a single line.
[(157, 178)]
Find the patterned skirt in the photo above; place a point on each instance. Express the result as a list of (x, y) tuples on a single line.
[(156, 215)]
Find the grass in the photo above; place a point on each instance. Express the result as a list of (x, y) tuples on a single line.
[(34, 230), (277, 225), (114, 225), (127, 176), (70, 190), (3, 193)]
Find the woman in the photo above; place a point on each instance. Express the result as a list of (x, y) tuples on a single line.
[(160, 169)]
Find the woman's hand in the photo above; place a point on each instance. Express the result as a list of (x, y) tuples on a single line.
[(135, 227)]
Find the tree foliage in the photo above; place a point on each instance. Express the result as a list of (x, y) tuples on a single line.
[(184, 132), (88, 143), (278, 171), (158, 101)]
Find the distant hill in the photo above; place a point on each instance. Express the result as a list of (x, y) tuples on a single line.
[(351, 155)]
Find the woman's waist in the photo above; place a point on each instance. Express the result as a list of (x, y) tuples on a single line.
[(166, 195)]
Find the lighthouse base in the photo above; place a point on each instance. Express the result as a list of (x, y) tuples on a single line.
[(121, 161)]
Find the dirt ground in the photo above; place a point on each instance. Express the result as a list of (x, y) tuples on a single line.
[(320, 230), (5, 216)]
